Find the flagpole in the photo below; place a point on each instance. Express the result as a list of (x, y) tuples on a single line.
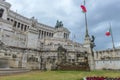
[(86, 22), (112, 37)]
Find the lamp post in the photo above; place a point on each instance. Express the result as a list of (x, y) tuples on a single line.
[(41, 61)]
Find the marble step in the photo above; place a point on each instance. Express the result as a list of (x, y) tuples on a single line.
[(12, 71)]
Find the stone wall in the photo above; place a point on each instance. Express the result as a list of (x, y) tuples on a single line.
[(107, 64), (107, 59)]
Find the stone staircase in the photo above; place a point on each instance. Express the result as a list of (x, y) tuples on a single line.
[(9, 71)]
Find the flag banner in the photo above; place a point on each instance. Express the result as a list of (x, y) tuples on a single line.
[(108, 33), (83, 8)]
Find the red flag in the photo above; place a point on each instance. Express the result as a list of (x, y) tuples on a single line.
[(83, 8), (108, 33)]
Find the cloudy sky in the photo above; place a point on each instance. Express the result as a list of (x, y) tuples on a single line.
[(99, 14)]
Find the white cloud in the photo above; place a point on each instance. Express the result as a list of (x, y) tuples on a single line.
[(117, 44), (64, 10)]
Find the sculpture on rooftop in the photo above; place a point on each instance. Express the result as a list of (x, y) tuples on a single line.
[(58, 24), (34, 22)]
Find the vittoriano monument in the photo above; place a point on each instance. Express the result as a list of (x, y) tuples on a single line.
[(29, 44)]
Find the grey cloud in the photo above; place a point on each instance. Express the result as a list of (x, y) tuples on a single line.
[(100, 13)]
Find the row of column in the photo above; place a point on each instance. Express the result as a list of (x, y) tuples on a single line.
[(66, 36), (43, 34), (18, 25)]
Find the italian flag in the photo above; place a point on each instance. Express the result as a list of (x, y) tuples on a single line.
[(83, 8), (108, 33)]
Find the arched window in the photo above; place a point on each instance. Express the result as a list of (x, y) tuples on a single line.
[(1, 12)]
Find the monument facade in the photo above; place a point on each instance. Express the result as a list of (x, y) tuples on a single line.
[(27, 43)]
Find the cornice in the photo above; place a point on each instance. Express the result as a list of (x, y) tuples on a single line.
[(5, 4)]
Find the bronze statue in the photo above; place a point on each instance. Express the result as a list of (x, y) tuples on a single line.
[(93, 38), (58, 24), (92, 44)]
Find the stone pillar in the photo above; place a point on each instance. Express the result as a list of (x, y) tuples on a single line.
[(45, 34), (88, 44), (42, 35), (50, 34), (91, 60), (1, 34), (39, 34)]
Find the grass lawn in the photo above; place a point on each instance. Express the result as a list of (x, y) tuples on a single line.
[(59, 75)]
